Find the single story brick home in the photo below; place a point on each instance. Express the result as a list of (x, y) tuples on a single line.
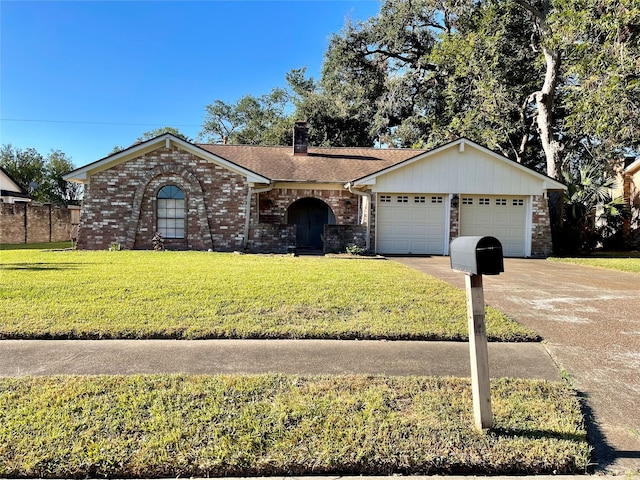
[(282, 199)]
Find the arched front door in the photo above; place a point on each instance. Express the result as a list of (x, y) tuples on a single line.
[(310, 215)]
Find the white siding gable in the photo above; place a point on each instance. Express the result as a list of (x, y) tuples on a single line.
[(7, 184), (461, 170)]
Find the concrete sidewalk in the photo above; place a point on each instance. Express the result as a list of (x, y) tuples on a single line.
[(304, 357)]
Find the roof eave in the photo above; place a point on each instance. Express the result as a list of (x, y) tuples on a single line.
[(82, 174), (15, 183), (633, 167)]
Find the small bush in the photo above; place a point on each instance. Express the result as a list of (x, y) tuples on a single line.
[(158, 242), (353, 249)]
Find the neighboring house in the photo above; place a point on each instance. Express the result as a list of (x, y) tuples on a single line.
[(277, 199), (10, 191), (631, 193)]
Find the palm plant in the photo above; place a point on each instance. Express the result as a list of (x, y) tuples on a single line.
[(590, 210)]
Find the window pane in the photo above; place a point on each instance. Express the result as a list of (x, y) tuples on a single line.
[(170, 212), (170, 191)]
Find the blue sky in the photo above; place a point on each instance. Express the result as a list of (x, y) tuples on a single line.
[(85, 76)]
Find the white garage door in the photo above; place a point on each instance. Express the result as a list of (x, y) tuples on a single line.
[(410, 224), (503, 217)]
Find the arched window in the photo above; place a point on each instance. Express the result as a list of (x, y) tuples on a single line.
[(171, 212)]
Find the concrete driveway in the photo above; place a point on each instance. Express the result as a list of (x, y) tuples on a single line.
[(590, 321)]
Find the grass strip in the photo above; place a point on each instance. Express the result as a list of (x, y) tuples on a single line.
[(146, 294), (181, 426), (36, 246), (622, 263)]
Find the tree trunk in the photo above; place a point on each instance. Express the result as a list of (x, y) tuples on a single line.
[(544, 101), (545, 97)]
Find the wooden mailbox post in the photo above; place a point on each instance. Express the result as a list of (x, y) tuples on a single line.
[(476, 256)]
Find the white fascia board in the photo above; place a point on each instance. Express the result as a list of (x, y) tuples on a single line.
[(635, 166), (82, 174)]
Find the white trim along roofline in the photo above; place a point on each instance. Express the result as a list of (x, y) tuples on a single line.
[(633, 167), (548, 182), (82, 174)]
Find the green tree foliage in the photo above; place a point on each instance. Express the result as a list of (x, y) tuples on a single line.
[(56, 189), (381, 70), (251, 120), (156, 132), (41, 176), (486, 73), (548, 83), (331, 120), (26, 167), (601, 50), (545, 82), (429, 71)]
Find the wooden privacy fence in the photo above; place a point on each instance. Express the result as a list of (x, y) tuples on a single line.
[(36, 223)]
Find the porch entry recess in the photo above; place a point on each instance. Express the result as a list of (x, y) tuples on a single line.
[(310, 215)]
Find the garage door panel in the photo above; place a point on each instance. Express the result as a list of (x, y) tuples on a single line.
[(418, 217), (435, 231), (419, 247), (399, 214), (410, 224), (401, 230), (419, 231), (501, 217), (435, 217)]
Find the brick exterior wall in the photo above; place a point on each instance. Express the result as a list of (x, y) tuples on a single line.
[(273, 205), (120, 203), (372, 222), (541, 245), (34, 223), (272, 238), (337, 237), (454, 225)]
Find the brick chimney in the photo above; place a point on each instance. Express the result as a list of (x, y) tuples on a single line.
[(300, 138)]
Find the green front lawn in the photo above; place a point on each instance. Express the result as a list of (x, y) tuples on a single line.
[(620, 261), (181, 426), (146, 294)]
